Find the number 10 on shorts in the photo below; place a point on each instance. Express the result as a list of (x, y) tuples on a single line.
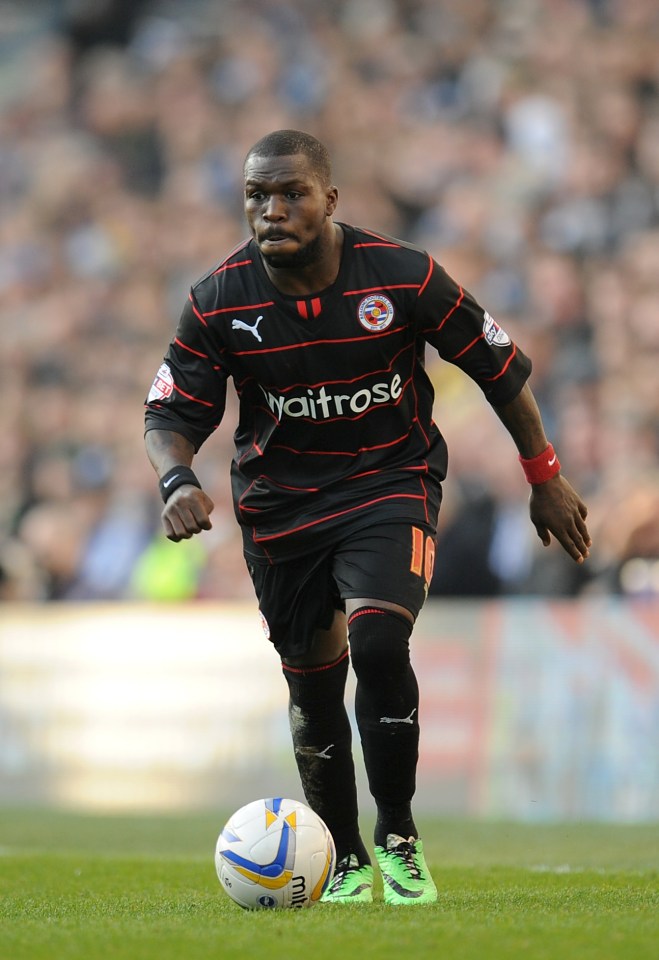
[(423, 554)]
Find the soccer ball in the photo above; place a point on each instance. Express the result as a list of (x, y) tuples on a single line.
[(275, 853)]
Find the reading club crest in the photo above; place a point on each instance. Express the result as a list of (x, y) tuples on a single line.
[(376, 313)]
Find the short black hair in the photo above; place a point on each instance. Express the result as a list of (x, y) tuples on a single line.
[(286, 143)]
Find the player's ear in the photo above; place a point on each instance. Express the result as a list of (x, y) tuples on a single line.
[(332, 200)]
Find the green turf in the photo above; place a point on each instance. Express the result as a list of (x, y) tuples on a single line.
[(139, 888)]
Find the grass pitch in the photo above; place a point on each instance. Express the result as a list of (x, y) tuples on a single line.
[(144, 888)]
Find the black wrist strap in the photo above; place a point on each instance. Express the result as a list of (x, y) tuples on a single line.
[(175, 478)]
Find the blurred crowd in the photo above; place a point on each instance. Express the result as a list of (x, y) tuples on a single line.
[(516, 140)]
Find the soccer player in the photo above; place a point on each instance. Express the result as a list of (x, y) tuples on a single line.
[(337, 473)]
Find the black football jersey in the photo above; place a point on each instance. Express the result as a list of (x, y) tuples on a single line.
[(336, 409)]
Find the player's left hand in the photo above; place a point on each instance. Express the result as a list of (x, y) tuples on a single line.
[(556, 508)]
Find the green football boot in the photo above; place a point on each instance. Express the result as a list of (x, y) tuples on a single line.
[(405, 875), (351, 882)]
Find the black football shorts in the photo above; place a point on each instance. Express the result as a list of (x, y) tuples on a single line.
[(390, 561)]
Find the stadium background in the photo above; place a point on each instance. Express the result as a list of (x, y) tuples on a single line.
[(518, 141)]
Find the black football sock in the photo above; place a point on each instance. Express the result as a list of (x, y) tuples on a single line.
[(322, 740), (394, 818), (386, 707)]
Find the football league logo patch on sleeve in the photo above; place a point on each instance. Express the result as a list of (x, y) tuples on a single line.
[(163, 385), (375, 313), (494, 334)]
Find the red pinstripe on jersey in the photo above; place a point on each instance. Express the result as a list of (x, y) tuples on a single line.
[(326, 381), (387, 241), (189, 396), (384, 286), (314, 343), (505, 366), (428, 275), (236, 250), (375, 243), (238, 308), (466, 349), (231, 266), (453, 308), (350, 453), (196, 311), (184, 346)]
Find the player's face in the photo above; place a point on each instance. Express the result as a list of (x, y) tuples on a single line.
[(288, 210)]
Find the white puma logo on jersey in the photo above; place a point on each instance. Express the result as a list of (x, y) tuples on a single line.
[(399, 719), (241, 325)]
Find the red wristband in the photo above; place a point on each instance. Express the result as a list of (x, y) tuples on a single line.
[(541, 468)]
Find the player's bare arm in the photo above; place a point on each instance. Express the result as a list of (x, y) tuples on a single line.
[(555, 507), (187, 507)]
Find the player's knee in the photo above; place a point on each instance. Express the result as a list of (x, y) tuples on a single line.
[(379, 642), (313, 687)]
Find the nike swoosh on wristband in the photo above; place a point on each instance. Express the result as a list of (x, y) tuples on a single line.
[(550, 463), (171, 480)]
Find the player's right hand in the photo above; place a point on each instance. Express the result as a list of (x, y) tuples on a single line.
[(558, 510), (186, 513)]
